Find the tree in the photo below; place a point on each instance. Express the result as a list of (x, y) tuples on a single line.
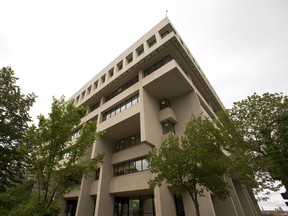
[(193, 163), (14, 119), (15, 198), (45, 147), (259, 139)]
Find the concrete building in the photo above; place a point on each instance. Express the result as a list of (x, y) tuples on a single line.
[(151, 89)]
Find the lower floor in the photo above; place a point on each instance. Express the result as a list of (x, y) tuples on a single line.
[(130, 206), (160, 202)]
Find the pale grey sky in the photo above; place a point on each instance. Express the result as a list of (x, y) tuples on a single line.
[(56, 46)]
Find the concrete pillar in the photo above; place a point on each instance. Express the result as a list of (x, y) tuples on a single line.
[(224, 207), (104, 200), (85, 203), (249, 200), (234, 197), (158, 37), (164, 201), (206, 205), (244, 197)]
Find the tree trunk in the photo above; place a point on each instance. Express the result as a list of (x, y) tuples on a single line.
[(197, 207), (195, 202)]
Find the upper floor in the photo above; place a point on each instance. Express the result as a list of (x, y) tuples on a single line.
[(111, 89)]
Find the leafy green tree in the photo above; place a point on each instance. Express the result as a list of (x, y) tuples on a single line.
[(45, 146), (15, 195), (258, 138), (14, 119), (193, 163)]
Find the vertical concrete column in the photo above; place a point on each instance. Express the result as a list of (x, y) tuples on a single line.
[(164, 201), (234, 197), (224, 207), (145, 46), (158, 37), (102, 100), (104, 200), (249, 200), (247, 204), (205, 203), (151, 129), (85, 203)]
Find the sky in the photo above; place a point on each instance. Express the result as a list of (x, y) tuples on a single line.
[(56, 46)]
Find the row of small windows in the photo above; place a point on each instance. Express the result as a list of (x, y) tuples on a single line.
[(122, 88), (66, 155), (94, 106), (120, 108), (131, 167), (129, 58), (127, 142), (75, 133), (157, 65), (134, 206)]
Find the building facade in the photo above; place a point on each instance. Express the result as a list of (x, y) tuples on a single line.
[(151, 89)]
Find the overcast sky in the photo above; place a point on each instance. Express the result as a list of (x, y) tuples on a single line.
[(56, 46)]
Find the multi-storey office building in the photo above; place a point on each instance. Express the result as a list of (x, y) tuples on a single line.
[(151, 89)]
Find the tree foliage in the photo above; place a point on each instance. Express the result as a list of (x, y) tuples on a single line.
[(45, 146), (14, 118), (18, 200), (258, 140), (193, 163)]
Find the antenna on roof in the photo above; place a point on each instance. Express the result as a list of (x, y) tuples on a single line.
[(166, 12)]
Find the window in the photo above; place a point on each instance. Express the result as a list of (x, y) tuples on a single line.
[(120, 65), (129, 58), (127, 141), (127, 167), (151, 41), (140, 50), (121, 88), (118, 110), (111, 72), (77, 99), (71, 206), (94, 106), (138, 165), (179, 205), (103, 78), (121, 107), (166, 30), (145, 165), (82, 95), (75, 133), (168, 127), (164, 103), (95, 85), (131, 167), (89, 90), (97, 174), (134, 206), (164, 34), (66, 155), (157, 65)]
